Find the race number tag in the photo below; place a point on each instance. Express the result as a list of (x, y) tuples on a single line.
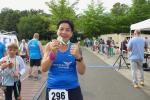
[(56, 94)]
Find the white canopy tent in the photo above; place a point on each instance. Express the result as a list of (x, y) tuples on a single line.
[(143, 25)]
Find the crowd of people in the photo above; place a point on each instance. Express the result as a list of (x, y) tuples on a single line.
[(132, 49), (102, 46)]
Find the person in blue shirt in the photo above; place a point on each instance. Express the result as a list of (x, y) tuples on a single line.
[(2, 50), (63, 60), (35, 52), (136, 55)]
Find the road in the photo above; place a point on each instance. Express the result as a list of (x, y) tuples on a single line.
[(103, 83)]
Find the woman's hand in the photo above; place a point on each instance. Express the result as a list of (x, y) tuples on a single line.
[(75, 50), (54, 45)]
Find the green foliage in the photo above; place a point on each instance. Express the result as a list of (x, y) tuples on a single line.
[(140, 11), (44, 42), (8, 19), (60, 9), (119, 9), (31, 24), (92, 22)]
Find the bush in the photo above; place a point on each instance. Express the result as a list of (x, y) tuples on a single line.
[(44, 42)]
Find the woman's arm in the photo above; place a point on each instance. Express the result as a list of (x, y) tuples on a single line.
[(46, 62), (81, 67), (75, 50)]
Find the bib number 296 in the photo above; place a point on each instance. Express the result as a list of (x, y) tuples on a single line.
[(56, 94)]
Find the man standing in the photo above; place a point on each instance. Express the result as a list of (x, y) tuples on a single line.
[(2, 50), (136, 48), (35, 54)]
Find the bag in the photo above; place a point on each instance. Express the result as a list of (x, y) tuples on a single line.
[(145, 65), (1, 81)]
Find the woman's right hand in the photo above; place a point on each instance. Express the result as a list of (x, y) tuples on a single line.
[(53, 46)]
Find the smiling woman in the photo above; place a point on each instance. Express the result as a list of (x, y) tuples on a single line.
[(62, 59)]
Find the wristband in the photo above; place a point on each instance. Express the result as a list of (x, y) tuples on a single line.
[(80, 59), (52, 56)]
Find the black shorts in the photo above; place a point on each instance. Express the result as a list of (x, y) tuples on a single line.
[(8, 92), (73, 94), (35, 62)]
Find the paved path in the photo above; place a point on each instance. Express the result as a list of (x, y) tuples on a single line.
[(123, 70), (29, 87), (105, 83), (100, 82)]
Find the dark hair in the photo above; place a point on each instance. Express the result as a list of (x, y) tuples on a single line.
[(68, 22)]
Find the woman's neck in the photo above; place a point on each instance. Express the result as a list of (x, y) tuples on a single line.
[(63, 48)]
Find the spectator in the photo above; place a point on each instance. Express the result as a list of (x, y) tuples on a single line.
[(146, 44), (136, 47)]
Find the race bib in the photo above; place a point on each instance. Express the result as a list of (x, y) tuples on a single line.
[(56, 94)]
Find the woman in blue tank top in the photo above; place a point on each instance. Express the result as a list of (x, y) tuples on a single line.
[(63, 60)]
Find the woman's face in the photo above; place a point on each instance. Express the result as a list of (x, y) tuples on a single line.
[(64, 31)]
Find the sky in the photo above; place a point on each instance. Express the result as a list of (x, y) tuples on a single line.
[(40, 4)]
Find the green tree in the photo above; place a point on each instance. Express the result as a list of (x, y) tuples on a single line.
[(8, 19), (139, 10), (119, 9), (31, 24), (119, 16), (94, 22), (61, 9)]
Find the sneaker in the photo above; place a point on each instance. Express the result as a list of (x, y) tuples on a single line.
[(39, 76), (142, 83), (36, 78), (135, 86), (39, 72), (30, 77)]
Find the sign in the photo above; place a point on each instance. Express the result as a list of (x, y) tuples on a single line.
[(58, 94)]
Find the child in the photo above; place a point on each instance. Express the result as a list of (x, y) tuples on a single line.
[(13, 67)]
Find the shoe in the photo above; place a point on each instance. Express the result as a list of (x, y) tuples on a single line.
[(142, 83), (36, 78), (135, 86), (30, 77), (39, 72)]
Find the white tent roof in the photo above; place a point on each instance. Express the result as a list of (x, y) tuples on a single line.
[(144, 25)]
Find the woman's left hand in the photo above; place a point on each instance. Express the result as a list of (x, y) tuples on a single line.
[(75, 50)]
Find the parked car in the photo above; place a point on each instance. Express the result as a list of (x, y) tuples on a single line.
[(8, 37)]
